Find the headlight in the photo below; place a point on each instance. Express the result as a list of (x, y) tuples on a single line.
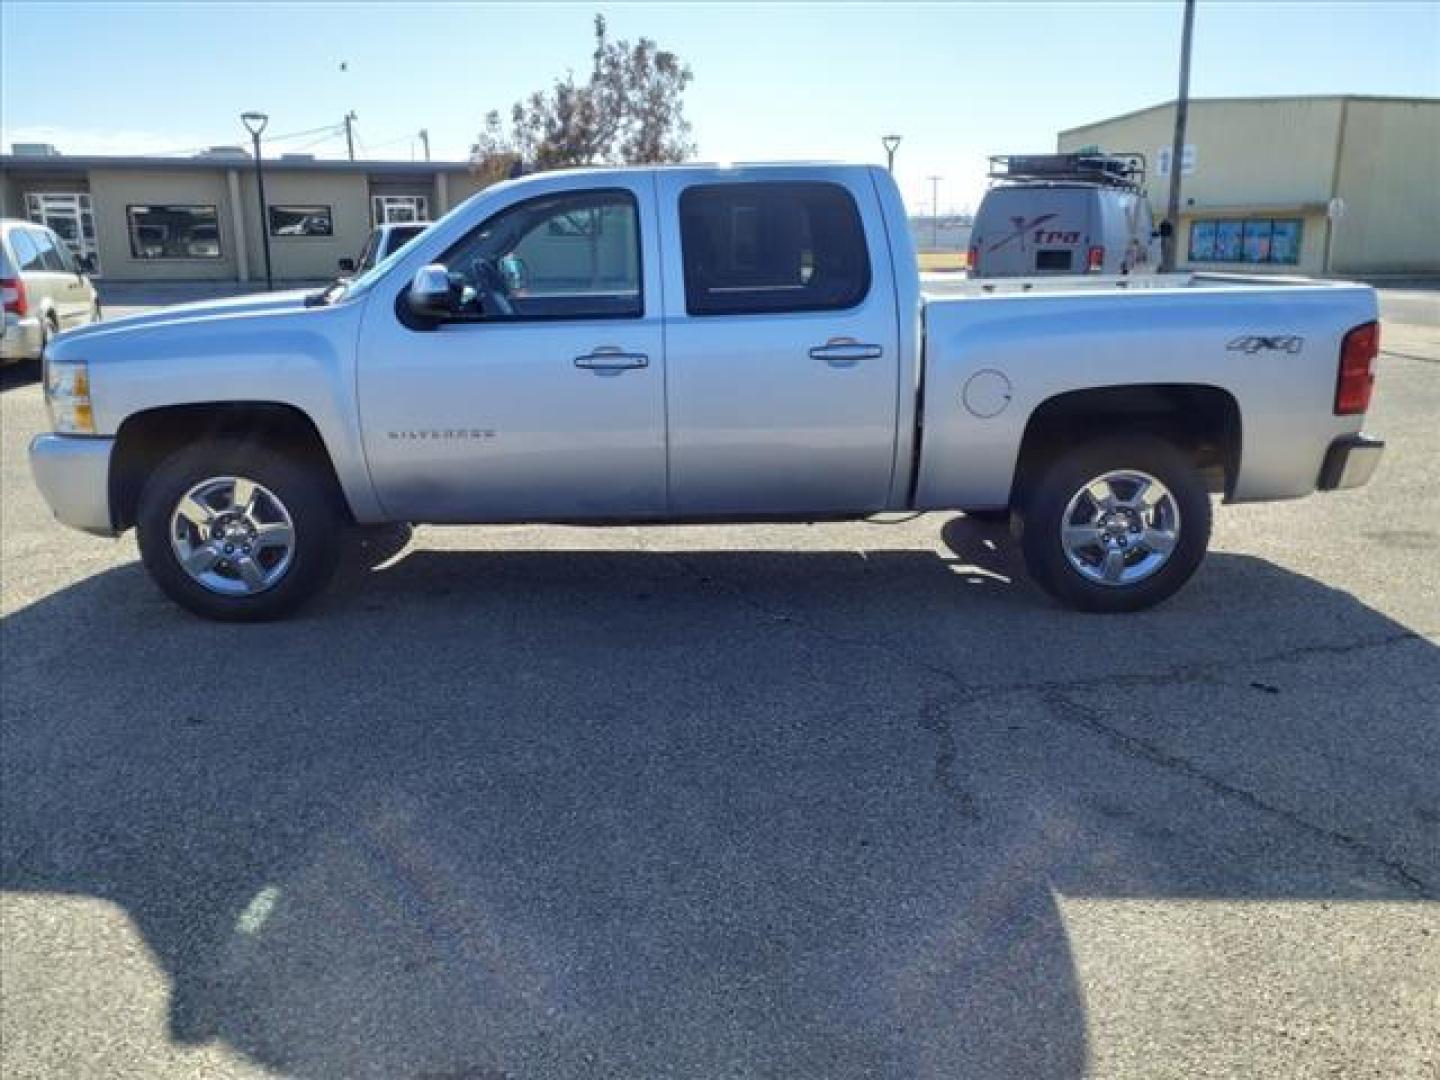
[(67, 397)]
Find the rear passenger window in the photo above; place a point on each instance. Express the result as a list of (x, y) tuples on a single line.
[(27, 255), (774, 247), (50, 259)]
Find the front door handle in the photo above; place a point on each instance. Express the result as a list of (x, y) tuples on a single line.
[(609, 358), (841, 352)]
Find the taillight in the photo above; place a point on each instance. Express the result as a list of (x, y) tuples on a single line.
[(1357, 369), (1095, 260), (972, 259), (13, 292)]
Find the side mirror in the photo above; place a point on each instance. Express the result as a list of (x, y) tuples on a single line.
[(1165, 231), (432, 295), (86, 263), (347, 265)]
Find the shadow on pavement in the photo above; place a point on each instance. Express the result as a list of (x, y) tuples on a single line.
[(547, 813), (19, 373)]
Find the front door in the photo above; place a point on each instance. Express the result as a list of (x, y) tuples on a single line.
[(543, 398), (781, 345)]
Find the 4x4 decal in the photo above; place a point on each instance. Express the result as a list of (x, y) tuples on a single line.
[(1256, 343)]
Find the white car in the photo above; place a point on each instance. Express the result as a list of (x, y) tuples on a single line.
[(44, 288)]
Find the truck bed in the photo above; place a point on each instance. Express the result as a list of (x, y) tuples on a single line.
[(994, 352)]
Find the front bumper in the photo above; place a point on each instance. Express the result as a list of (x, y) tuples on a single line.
[(73, 474), (1350, 462)]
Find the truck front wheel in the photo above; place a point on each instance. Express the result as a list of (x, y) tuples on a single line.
[(1117, 525), (238, 532)]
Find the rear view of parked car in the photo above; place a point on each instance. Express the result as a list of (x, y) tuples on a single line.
[(44, 289), (1051, 214)]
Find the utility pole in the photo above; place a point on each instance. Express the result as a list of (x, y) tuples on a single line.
[(425, 141), (1177, 148), (935, 211), (350, 119)]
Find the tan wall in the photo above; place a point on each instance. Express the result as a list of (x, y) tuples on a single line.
[(1287, 158), (111, 191), (461, 186), (306, 258), (1260, 153), (1390, 181)]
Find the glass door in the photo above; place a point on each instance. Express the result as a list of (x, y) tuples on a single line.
[(70, 216)]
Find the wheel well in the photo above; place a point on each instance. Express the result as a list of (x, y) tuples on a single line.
[(1203, 421), (148, 438)]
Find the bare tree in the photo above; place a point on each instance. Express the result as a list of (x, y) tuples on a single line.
[(629, 111)]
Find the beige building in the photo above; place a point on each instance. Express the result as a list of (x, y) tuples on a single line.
[(198, 218), (1345, 185)]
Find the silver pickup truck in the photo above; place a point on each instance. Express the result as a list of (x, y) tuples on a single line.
[(701, 344)]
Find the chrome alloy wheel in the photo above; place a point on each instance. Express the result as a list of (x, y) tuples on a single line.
[(232, 535), (1120, 528)]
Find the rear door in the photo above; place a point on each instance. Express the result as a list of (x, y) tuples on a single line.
[(781, 342), (1032, 231)]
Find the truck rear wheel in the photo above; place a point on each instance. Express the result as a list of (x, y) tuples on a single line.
[(238, 532), (1117, 525)]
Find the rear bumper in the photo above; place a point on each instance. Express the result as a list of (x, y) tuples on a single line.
[(73, 474), (20, 339), (1350, 462)]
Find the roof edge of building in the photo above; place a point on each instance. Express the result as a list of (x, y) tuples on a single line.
[(1254, 98), (272, 164)]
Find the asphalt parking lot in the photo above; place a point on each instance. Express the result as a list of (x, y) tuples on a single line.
[(830, 801)]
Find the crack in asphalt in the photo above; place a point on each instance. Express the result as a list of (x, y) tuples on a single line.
[(1086, 718), (1055, 693)]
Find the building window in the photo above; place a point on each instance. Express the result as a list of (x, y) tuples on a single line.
[(772, 247), (301, 221), (399, 209), (1248, 240), (174, 232)]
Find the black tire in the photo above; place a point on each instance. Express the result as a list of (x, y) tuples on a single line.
[(305, 488), (1044, 511)]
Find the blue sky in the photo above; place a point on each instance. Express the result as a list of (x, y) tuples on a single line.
[(957, 81)]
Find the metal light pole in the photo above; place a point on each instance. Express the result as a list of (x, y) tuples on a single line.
[(255, 124), (891, 143), (350, 119), (1177, 148), (935, 211)]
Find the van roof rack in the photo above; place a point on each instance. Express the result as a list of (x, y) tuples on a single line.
[(1125, 170)]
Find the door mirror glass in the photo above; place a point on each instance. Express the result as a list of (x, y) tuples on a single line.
[(432, 294), (346, 265), (1165, 231)]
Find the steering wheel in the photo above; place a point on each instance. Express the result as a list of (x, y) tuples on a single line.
[(490, 284)]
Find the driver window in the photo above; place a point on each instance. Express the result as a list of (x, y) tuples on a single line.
[(573, 255)]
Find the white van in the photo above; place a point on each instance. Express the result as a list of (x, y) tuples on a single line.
[(1064, 214)]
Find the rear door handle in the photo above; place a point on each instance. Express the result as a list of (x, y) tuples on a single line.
[(842, 352), (607, 358)]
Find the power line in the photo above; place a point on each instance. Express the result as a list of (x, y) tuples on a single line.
[(333, 133)]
